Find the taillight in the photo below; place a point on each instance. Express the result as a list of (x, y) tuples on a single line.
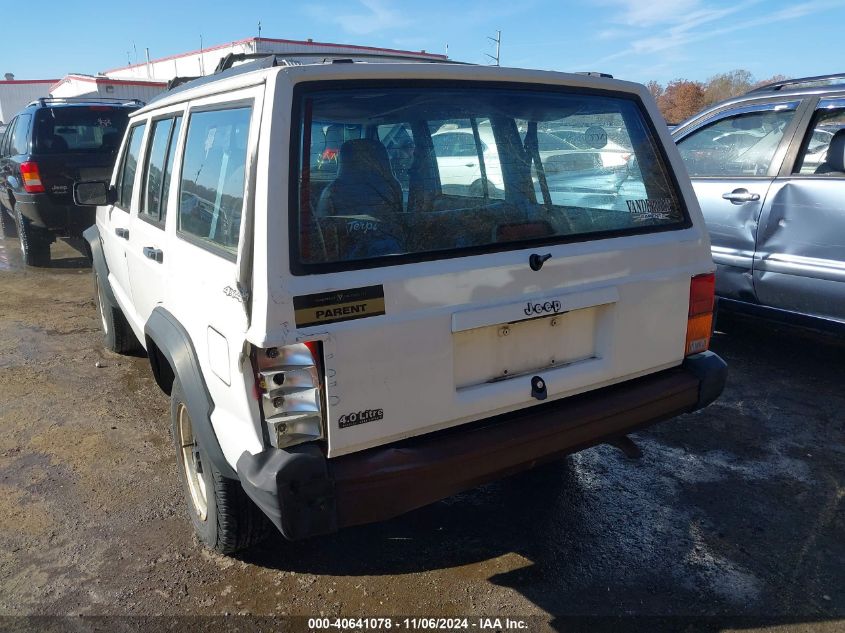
[(31, 177), (702, 297), (289, 384)]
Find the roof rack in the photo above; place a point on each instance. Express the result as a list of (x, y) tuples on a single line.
[(594, 73), (289, 59), (257, 61), (833, 79), (178, 81), (43, 101)]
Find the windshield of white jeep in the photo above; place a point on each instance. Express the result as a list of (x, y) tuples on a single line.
[(389, 175)]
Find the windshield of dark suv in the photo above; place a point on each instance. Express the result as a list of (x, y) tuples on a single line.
[(391, 174), (91, 128)]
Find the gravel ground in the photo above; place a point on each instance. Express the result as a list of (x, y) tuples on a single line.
[(734, 512)]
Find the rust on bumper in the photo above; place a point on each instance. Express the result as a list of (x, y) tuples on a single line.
[(306, 494), (384, 482)]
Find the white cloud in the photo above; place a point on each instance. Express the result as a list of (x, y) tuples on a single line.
[(644, 13), (374, 16), (665, 25)]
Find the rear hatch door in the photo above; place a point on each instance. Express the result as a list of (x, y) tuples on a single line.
[(76, 142), (432, 308)]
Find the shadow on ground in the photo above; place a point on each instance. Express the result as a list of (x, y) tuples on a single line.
[(733, 511)]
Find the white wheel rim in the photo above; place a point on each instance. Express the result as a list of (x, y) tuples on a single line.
[(189, 456)]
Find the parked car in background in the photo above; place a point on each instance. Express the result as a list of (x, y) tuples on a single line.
[(346, 337), (47, 146), (575, 175), (612, 154), (768, 171)]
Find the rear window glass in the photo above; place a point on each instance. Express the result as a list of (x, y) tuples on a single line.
[(395, 174), (95, 129)]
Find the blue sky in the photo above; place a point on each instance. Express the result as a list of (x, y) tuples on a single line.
[(632, 39)]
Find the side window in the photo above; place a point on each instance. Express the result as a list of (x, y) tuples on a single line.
[(168, 165), (7, 137), (462, 169), (739, 145), (398, 140), (129, 167), (211, 194), (20, 136), (158, 168), (450, 144), (823, 151)]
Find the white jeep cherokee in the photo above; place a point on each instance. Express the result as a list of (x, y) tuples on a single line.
[(345, 339)]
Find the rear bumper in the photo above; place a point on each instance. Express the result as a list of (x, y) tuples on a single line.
[(63, 219), (305, 494)]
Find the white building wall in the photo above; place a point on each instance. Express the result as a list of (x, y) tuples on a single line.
[(73, 86), (203, 63), (15, 95)]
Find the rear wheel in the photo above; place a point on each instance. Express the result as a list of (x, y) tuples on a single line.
[(7, 223), (224, 517), (35, 242), (117, 335)]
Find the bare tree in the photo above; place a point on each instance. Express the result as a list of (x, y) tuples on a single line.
[(727, 85), (654, 88), (680, 99), (770, 80)]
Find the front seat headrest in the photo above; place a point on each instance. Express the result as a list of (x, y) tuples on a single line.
[(363, 156), (836, 152)]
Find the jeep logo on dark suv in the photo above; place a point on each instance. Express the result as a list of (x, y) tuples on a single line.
[(544, 307)]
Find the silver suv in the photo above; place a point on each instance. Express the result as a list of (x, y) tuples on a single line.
[(769, 172)]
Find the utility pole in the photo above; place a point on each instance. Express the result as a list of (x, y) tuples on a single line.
[(498, 40), (258, 42)]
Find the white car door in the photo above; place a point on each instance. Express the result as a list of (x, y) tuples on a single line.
[(146, 251), (114, 221), (210, 196), (457, 160)]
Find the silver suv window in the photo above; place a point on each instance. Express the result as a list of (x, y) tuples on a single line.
[(742, 144), (440, 172), (814, 158)]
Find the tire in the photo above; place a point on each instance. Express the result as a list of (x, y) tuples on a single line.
[(35, 242), (224, 518), (117, 335), (7, 223)]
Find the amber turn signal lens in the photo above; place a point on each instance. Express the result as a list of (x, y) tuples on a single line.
[(698, 334), (702, 298)]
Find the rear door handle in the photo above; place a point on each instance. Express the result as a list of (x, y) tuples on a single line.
[(154, 254), (120, 232), (469, 165), (741, 196)]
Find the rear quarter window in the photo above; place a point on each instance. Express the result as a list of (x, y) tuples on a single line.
[(20, 136), (437, 170), (211, 193)]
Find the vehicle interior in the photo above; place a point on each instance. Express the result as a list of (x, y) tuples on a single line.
[(373, 185)]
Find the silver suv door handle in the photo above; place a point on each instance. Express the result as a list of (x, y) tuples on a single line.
[(124, 233), (739, 196), (154, 254)]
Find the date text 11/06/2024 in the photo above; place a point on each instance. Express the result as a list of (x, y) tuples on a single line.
[(431, 624)]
